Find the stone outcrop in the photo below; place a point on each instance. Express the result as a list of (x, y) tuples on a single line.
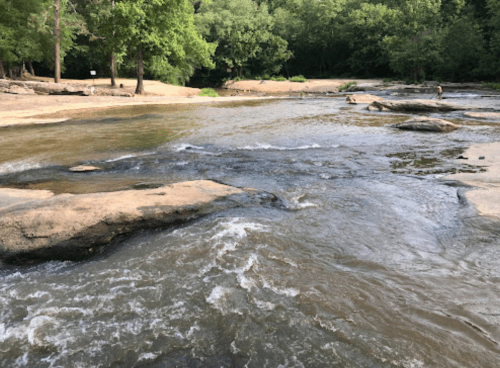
[(414, 106), (362, 99), (483, 115), (47, 88), (425, 123), (37, 225)]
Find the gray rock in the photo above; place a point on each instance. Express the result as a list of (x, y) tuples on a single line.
[(41, 226), (424, 123), (415, 106), (49, 88)]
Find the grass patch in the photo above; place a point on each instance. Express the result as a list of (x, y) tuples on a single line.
[(346, 86), (298, 78), (208, 92)]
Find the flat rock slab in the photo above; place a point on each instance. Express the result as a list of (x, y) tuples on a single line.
[(414, 106), (362, 99), (483, 115), (37, 225), (424, 123)]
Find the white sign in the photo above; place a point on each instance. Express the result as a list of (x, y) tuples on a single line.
[(93, 72)]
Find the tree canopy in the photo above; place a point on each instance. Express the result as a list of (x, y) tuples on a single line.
[(174, 40)]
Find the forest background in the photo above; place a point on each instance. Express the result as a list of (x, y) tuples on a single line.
[(208, 42)]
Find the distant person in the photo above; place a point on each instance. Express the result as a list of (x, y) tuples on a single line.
[(440, 92)]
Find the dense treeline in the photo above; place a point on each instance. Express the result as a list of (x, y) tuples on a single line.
[(172, 40)]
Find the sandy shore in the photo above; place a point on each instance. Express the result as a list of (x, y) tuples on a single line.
[(486, 198), (29, 109), (311, 86)]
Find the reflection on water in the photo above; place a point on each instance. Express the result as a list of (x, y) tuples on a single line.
[(372, 260)]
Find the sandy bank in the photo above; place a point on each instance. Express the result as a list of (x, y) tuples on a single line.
[(486, 198), (19, 109), (311, 86)]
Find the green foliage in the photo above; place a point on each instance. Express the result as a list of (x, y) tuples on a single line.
[(298, 78), (417, 38), (495, 86), (209, 92), (279, 79), (243, 33), (346, 86), (26, 29)]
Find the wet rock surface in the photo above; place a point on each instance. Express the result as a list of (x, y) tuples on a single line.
[(414, 106), (425, 123), (483, 115), (362, 99), (37, 225), (84, 168)]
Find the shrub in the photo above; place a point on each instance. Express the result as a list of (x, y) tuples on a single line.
[(298, 78), (346, 86), (279, 79), (491, 85), (208, 92)]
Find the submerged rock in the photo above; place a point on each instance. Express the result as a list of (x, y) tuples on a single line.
[(427, 124), (414, 106), (37, 225), (362, 99)]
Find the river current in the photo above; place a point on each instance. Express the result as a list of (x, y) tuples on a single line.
[(370, 258)]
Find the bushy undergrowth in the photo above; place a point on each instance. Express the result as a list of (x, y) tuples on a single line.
[(208, 92), (345, 87), (298, 78), (491, 85), (279, 79)]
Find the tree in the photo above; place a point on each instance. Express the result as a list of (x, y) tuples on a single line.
[(162, 36), (417, 39), (243, 33)]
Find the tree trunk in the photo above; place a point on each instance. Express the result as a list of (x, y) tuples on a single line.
[(31, 69), (140, 73), (2, 70), (57, 36), (113, 70), (11, 74)]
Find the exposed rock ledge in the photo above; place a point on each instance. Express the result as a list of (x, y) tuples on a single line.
[(37, 225), (425, 123), (414, 106), (31, 88)]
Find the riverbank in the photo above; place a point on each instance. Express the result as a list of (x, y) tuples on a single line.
[(486, 198)]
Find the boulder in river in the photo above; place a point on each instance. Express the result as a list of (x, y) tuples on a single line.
[(362, 99), (425, 123), (414, 106), (483, 115), (84, 168), (37, 225)]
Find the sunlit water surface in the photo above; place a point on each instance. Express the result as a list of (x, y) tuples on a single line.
[(370, 258)]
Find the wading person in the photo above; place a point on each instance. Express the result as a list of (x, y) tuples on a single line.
[(440, 92)]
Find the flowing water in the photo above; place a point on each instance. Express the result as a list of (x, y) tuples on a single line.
[(372, 258)]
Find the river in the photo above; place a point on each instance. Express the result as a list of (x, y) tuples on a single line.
[(371, 257)]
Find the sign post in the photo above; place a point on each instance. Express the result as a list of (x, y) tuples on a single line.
[(93, 74)]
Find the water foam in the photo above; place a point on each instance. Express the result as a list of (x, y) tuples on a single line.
[(19, 166), (264, 146)]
